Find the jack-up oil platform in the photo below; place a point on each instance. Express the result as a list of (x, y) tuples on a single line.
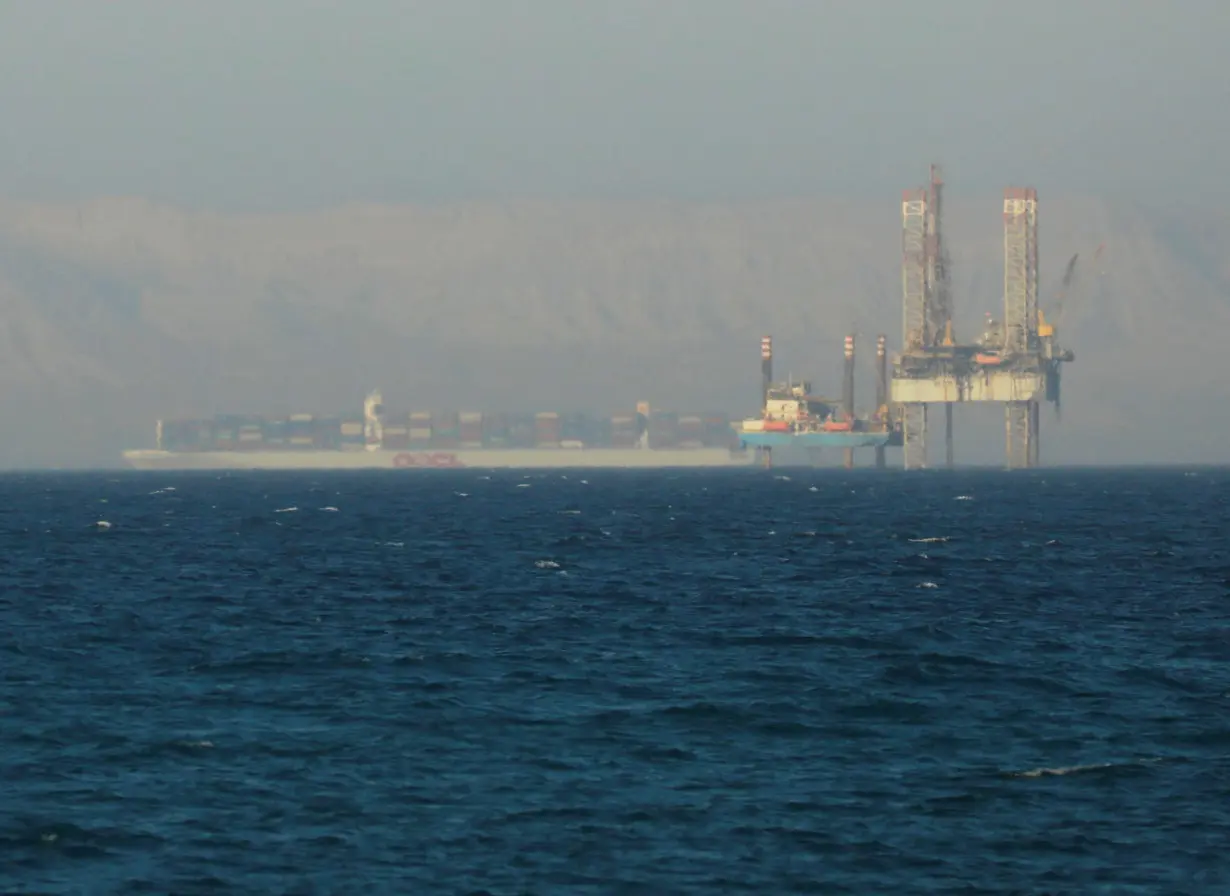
[(1016, 361)]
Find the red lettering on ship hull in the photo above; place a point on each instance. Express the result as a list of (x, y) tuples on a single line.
[(426, 459)]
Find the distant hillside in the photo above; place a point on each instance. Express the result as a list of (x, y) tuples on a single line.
[(117, 311)]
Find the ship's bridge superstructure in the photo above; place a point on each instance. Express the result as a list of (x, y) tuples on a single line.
[(373, 421), (791, 407)]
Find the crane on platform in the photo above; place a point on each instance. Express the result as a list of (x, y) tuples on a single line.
[(1064, 293), (1048, 329)]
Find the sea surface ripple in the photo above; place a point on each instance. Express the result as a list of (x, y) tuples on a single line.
[(506, 682)]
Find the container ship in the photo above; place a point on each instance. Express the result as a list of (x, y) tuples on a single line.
[(443, 440)]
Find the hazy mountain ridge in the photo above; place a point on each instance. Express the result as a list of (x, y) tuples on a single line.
[(119, 310)]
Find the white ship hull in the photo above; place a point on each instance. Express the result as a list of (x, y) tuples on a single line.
[(527, 458)]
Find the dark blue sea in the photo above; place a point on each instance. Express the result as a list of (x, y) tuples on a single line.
[(765, 682)]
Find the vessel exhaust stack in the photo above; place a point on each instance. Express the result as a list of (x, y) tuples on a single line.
[(881, 373), (766, 368), (847, 383), (881, 392), (847, 396)]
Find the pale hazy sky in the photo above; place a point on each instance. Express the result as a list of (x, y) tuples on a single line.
[(286, 103)]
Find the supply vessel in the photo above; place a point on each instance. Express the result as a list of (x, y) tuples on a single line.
[(795, 417), (792, 416), (443, 440)]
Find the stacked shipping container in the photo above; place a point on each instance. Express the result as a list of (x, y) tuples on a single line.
[(719, 431), (495, 431), (691, 431), (663, 429), (301, 432), (468, 430), (397, 432), (445, 429), (521, 431), (352, 435), (420, 429), (547, 430), (625, 431)]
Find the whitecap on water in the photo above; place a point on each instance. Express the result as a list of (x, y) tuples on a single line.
[(1061, 770)]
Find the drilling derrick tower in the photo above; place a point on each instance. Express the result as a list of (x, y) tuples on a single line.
[(916, 316), (1020, 329), (939, 290), (914, 269), (1020, 270), (927, 309)]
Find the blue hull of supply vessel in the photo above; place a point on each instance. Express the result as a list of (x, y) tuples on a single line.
[(815, 439)]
